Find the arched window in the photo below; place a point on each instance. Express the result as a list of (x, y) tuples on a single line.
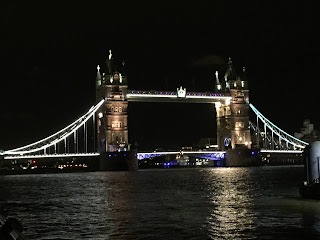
[(116, 109), (120, 109), (112, 109), (116, 124)]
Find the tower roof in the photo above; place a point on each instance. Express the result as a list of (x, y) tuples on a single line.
[(114, 65), (244, 75), (231, 72), (217, 78)]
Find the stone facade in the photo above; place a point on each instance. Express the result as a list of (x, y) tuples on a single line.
[(112, 120), (233, 116)]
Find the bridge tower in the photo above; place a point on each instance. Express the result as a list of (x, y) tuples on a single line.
[(112, 120), (239, 119), (233, 116)]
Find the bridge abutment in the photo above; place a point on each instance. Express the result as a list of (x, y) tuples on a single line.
[(241, 157), (118, 161)]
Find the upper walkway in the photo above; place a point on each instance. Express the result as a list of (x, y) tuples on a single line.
[(167, 96)]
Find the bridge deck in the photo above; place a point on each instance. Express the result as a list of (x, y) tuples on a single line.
[(164, 96)]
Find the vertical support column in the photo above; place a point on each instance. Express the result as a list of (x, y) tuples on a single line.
[(265, 136), (239, 119), (112, 130), (75, 141), (223, 128), (258, 139), (272, 140), (94, 131)]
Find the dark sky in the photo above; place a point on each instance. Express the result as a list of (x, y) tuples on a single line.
[(49, 54)]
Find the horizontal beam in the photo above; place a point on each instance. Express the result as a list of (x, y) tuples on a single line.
[(182, 152), (157, 96), (206, 154), (51, 156), (281, 151)]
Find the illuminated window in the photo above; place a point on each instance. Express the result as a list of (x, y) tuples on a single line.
[(241, 137), (116, 109), (240, 94), (112, 109), (112, 137), (120, 109), (238, 111), (239, 124), (116, 124)]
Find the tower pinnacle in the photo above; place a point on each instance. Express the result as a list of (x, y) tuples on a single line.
[(230, 73), (98, 79), (110, 54)]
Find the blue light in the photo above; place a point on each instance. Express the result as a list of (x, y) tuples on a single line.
[(239, 152), (110, 155), (115, 155), (252, 153), (124, 154)]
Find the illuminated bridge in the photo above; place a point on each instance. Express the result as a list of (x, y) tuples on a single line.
[(166, 96), (104, 127)]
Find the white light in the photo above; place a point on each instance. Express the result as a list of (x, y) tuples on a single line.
[(134, 95), (218, 104), (53, 155), (110, 54), (246, 143), (100, 115), (227, 101), (98, 68), (73, 126), (120, 77)]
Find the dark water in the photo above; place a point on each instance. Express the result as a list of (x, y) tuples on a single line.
[(212, 203)]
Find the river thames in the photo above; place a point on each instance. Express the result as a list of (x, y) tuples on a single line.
[(196, 203)]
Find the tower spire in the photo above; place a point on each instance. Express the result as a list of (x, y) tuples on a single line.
[(109, 63), (218, 85), (244, 74), (230, 73), (98, 78)]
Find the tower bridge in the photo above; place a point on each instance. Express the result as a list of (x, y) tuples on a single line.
[(108, 118)]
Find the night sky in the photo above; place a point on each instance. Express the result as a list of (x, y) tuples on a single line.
[(49, 54)]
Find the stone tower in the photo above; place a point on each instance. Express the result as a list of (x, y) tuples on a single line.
[(112, 119), (233, 116)]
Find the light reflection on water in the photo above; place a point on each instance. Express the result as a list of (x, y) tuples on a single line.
[(233, 216), (210, 203)]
